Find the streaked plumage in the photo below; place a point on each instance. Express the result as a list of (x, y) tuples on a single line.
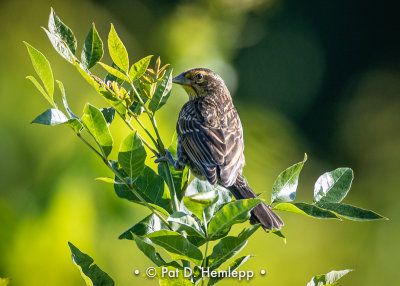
[(210, 139)]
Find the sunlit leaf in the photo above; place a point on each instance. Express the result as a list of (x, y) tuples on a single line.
[(106, 180), (93, 48), (329, 278), (60, 46), (40, 88), (165, 280), (51, 117), (90, 272), (94, 121), (114, 72), (57, 27), (176, 245), (43, 70), (117, 50), (139, 68), (305, 209), (162, 92), (228, 247), (351, 212), (332, 187), (110, 77), (4, 281), (65, 102), (231, 213), (132, 155), (285, 186)]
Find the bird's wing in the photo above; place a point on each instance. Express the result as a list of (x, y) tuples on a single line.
[(213, 144)]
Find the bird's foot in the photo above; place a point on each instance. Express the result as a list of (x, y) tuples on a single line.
[(166, 158)]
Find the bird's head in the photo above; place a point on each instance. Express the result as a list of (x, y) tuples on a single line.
[(201, 82)]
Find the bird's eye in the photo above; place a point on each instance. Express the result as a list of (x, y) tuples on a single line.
[(199, 76)]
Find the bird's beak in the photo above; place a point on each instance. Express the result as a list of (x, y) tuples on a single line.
[(181, 79)]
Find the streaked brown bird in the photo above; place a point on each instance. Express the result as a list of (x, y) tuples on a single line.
[(210, 139)]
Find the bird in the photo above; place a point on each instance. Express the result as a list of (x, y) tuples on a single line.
[(210, 140)]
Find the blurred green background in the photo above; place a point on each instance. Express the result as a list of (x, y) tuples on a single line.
[(321, 77)]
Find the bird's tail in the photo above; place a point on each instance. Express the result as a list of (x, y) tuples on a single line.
[(262, 212)]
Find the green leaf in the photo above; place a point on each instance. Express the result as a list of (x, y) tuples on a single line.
[(4, 281), (148, 225), (139, 68), (110, 77), (106, 180), (181, 221), (145, 245), (351, 212), (93, 48), (232, 267), (114, 72), (228, 247), (199, 203), (43, 70), (65, 102), (108, 113), (132, 155), (57, 27), (176, 245), (201, 186), (332, 187), (90, 272), (284, 188), (150, 186), (305, 209), (162, 92), (40, 88), (75, 124), (51, 117), (328, 279), (94, 121), (60, 46), (230, 214), (117, 50)]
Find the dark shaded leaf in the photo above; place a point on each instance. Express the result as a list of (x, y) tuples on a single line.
[(230, 214), (229, 246), (162, 92), (351, 212), (93, 48), (149, 224), (90, 272), (150, 186), (65, 102), (181, 221), (235, 265), (108, 113), (284, 188), (176, 245)]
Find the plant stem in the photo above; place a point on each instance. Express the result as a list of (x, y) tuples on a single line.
[(129, 186), (161, 148)]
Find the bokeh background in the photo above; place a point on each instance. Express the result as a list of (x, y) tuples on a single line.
[(321, 77)]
